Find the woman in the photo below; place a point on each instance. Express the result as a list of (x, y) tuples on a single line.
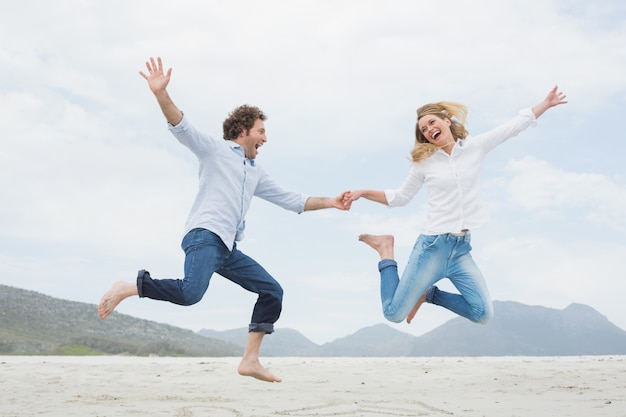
[(447, 160)]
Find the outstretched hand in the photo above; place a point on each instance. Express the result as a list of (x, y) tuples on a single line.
[(157, 79), (554, 98)]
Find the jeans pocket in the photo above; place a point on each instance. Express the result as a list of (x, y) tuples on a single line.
[(428, 241)]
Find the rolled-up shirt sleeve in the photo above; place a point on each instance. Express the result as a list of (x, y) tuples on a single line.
[(271, 191)]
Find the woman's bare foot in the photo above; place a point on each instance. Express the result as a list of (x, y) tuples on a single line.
[(416, 307), (254, 369), (383, 244), (118, 292)]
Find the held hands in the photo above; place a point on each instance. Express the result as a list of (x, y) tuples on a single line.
[(349, 196), (343, 201), (157, 80), (318, 203)]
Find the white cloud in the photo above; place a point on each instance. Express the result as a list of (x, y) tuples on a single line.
[(537, 185)]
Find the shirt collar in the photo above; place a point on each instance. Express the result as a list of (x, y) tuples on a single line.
[(239, 151)]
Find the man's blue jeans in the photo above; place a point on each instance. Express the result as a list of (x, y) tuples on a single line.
[(205, 254), (433, 258)]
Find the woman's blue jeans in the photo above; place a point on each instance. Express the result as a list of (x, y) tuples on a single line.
[(433, 258), (205, 254)]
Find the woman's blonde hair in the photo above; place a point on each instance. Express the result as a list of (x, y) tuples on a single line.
[(456, 112)]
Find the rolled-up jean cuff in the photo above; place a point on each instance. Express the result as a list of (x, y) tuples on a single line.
[(386, 263), (140, 276), (266, 328)]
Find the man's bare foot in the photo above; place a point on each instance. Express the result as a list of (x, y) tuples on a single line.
[(416, 307), (256, 370), (118, 292), (383, 244)]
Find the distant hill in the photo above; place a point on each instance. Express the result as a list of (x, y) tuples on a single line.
[(523, 330), (283, 342), (516, 330), (33, 323)]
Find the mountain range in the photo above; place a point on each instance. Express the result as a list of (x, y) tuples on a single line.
[(516, 330), (33, 323)]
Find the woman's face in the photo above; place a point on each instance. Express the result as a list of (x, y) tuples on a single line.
[(435, 129)]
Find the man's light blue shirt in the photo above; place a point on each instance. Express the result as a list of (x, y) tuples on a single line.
[(227, 182)]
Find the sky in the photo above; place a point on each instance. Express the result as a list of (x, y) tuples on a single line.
[(94, 187)]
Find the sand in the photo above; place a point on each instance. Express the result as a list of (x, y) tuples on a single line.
[(589, 386)]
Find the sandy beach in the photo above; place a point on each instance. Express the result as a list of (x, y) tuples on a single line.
[(133, 386)]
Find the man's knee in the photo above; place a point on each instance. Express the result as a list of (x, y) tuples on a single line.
[(275, 296), (279, 293), (275, 291), (189, 298)]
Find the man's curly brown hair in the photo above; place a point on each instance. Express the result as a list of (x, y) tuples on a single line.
[(241, 120)]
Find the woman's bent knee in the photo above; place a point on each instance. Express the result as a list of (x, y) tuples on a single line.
[(485, 315), (394, 319), (393, 316)]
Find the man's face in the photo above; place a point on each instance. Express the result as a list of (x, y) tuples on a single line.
[(251, 141)]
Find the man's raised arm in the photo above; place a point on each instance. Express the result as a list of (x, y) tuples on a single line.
[(158, 81)]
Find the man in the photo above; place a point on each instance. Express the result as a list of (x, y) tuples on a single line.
[(229, 178)]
